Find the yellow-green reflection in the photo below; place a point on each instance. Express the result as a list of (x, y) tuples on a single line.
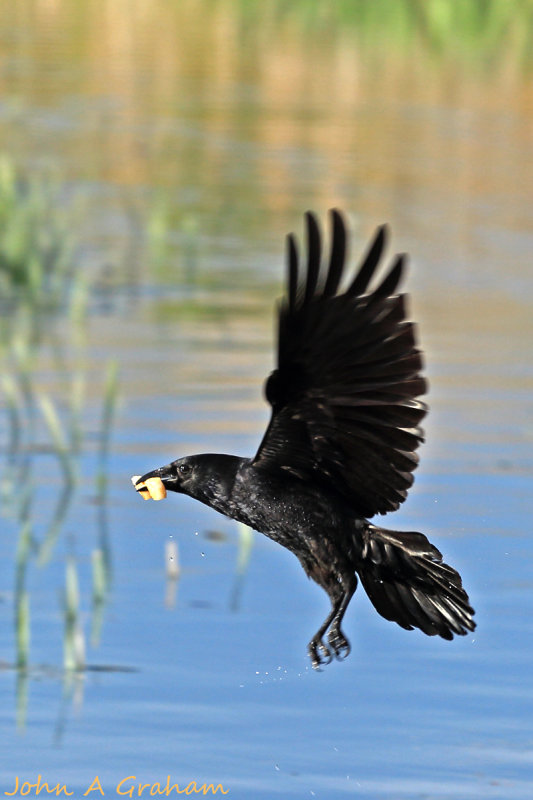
[(177, 96), (43, 327)]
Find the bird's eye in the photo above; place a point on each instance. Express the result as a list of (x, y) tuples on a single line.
[(184, 469)]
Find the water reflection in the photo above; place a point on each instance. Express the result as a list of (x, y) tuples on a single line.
[(43, 330), (240, 115)]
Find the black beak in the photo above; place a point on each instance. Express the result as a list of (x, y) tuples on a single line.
[(167, 475)]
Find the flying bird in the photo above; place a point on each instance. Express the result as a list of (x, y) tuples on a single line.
[(340, 446)]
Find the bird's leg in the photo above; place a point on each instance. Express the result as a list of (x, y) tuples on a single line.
[(336, 638), (318, 652)]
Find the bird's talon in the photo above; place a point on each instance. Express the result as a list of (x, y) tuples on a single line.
[(319, 654), (328, 657), (339, 644)]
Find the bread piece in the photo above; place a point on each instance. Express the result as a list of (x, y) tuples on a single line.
[(156, 487), (142, 488)]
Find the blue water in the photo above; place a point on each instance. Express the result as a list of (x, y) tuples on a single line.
[(206, 679)]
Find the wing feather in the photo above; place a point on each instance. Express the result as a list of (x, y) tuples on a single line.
[(369, 263), (314, 252), (344, 396), (293, 271), (338, 254)]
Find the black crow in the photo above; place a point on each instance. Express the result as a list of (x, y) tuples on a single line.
[(340, 446)]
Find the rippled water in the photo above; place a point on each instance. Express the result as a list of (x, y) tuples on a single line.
[(195, 139)]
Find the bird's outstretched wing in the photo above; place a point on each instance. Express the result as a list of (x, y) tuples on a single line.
[(345, 412)]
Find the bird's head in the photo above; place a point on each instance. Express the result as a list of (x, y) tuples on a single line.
[(208, 477), (180, 475)]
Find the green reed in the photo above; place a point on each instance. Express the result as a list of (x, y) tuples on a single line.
[(479, 32), (43, 319)]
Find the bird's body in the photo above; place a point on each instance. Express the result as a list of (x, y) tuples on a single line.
[(284, 508), (340, 447)]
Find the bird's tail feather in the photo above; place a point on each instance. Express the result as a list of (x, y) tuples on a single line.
[(407, 582)]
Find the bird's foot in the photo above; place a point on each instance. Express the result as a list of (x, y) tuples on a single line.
[(338, 643), (319, 654)]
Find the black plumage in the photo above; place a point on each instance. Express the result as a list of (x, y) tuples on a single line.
[(340, 446)]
